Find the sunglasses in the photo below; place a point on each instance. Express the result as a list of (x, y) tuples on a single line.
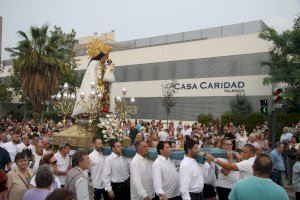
[(53, 163)]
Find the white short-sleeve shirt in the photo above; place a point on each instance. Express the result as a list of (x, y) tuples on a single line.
[(62, 165), (245, 167)]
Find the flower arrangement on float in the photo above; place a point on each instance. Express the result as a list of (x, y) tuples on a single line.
[(110, 128)]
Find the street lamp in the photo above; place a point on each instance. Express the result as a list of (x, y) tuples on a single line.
[(64, 102), (123, 108)]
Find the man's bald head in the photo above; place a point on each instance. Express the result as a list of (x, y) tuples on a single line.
[(262, 166)]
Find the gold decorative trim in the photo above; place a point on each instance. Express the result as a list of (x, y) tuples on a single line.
[(76, 136)]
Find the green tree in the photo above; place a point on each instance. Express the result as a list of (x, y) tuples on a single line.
[(5, 94), (41, 61), (284, 62), (240, 104)]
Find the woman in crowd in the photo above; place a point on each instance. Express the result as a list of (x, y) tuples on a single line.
[(51, 160), (171, 138), (19, 177), (154, 139), (241, 139), (264, 144), (179, 141)]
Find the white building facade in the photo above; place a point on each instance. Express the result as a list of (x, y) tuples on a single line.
[(210, 65)]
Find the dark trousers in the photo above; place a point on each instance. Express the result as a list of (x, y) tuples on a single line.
[(223, 193), (100, 192), (196, 196), (176, 198), (121, 190), (276, 176), (297, 195)]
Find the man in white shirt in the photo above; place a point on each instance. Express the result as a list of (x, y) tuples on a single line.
[(25, 143), (63, 162), (96, 169), (226, 178), (165, 175), (12, 146), (244, 166), (38, 154), (192, 174), (141, 180), (34, 141), (116, 173), (162, 135)]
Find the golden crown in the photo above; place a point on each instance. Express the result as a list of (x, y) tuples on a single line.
[(96, 46)]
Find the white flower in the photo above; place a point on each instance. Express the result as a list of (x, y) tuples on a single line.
[(104, 136), (103, 131)]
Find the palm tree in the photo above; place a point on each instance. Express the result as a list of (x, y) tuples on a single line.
[(40, 60)]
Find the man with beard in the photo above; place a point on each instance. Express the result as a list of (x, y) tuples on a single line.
[(96, 169), (192, 174), (12, 146)]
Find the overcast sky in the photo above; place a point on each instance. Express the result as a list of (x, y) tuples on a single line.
[(132, 19)]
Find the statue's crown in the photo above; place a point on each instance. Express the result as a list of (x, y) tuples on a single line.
[(96, 46)]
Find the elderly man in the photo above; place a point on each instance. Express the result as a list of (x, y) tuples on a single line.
[(244, 166), (165, 175), (63, 162), (77, 180), (38, 154), (286, 135), (25, 143), (252, 140), (141, 180), (278, 163), (226, 178), (44, 179), (258, 186)]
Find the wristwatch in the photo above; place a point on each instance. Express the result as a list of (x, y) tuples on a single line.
[(215, 160)]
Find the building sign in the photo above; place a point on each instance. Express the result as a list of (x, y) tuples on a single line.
[(216, 86), (233, 86)]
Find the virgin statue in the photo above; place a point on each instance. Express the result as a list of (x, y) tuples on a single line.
[(96, 81)]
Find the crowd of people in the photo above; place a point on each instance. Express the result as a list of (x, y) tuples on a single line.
[(33, 169)]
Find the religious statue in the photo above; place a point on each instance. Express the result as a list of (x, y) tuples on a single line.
[(97, 79)]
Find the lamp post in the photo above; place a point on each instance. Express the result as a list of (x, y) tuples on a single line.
[(64, 102), (93, 103), (123, 108)]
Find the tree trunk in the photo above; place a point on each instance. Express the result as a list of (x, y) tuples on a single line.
[(25, 109), (37, 110)]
